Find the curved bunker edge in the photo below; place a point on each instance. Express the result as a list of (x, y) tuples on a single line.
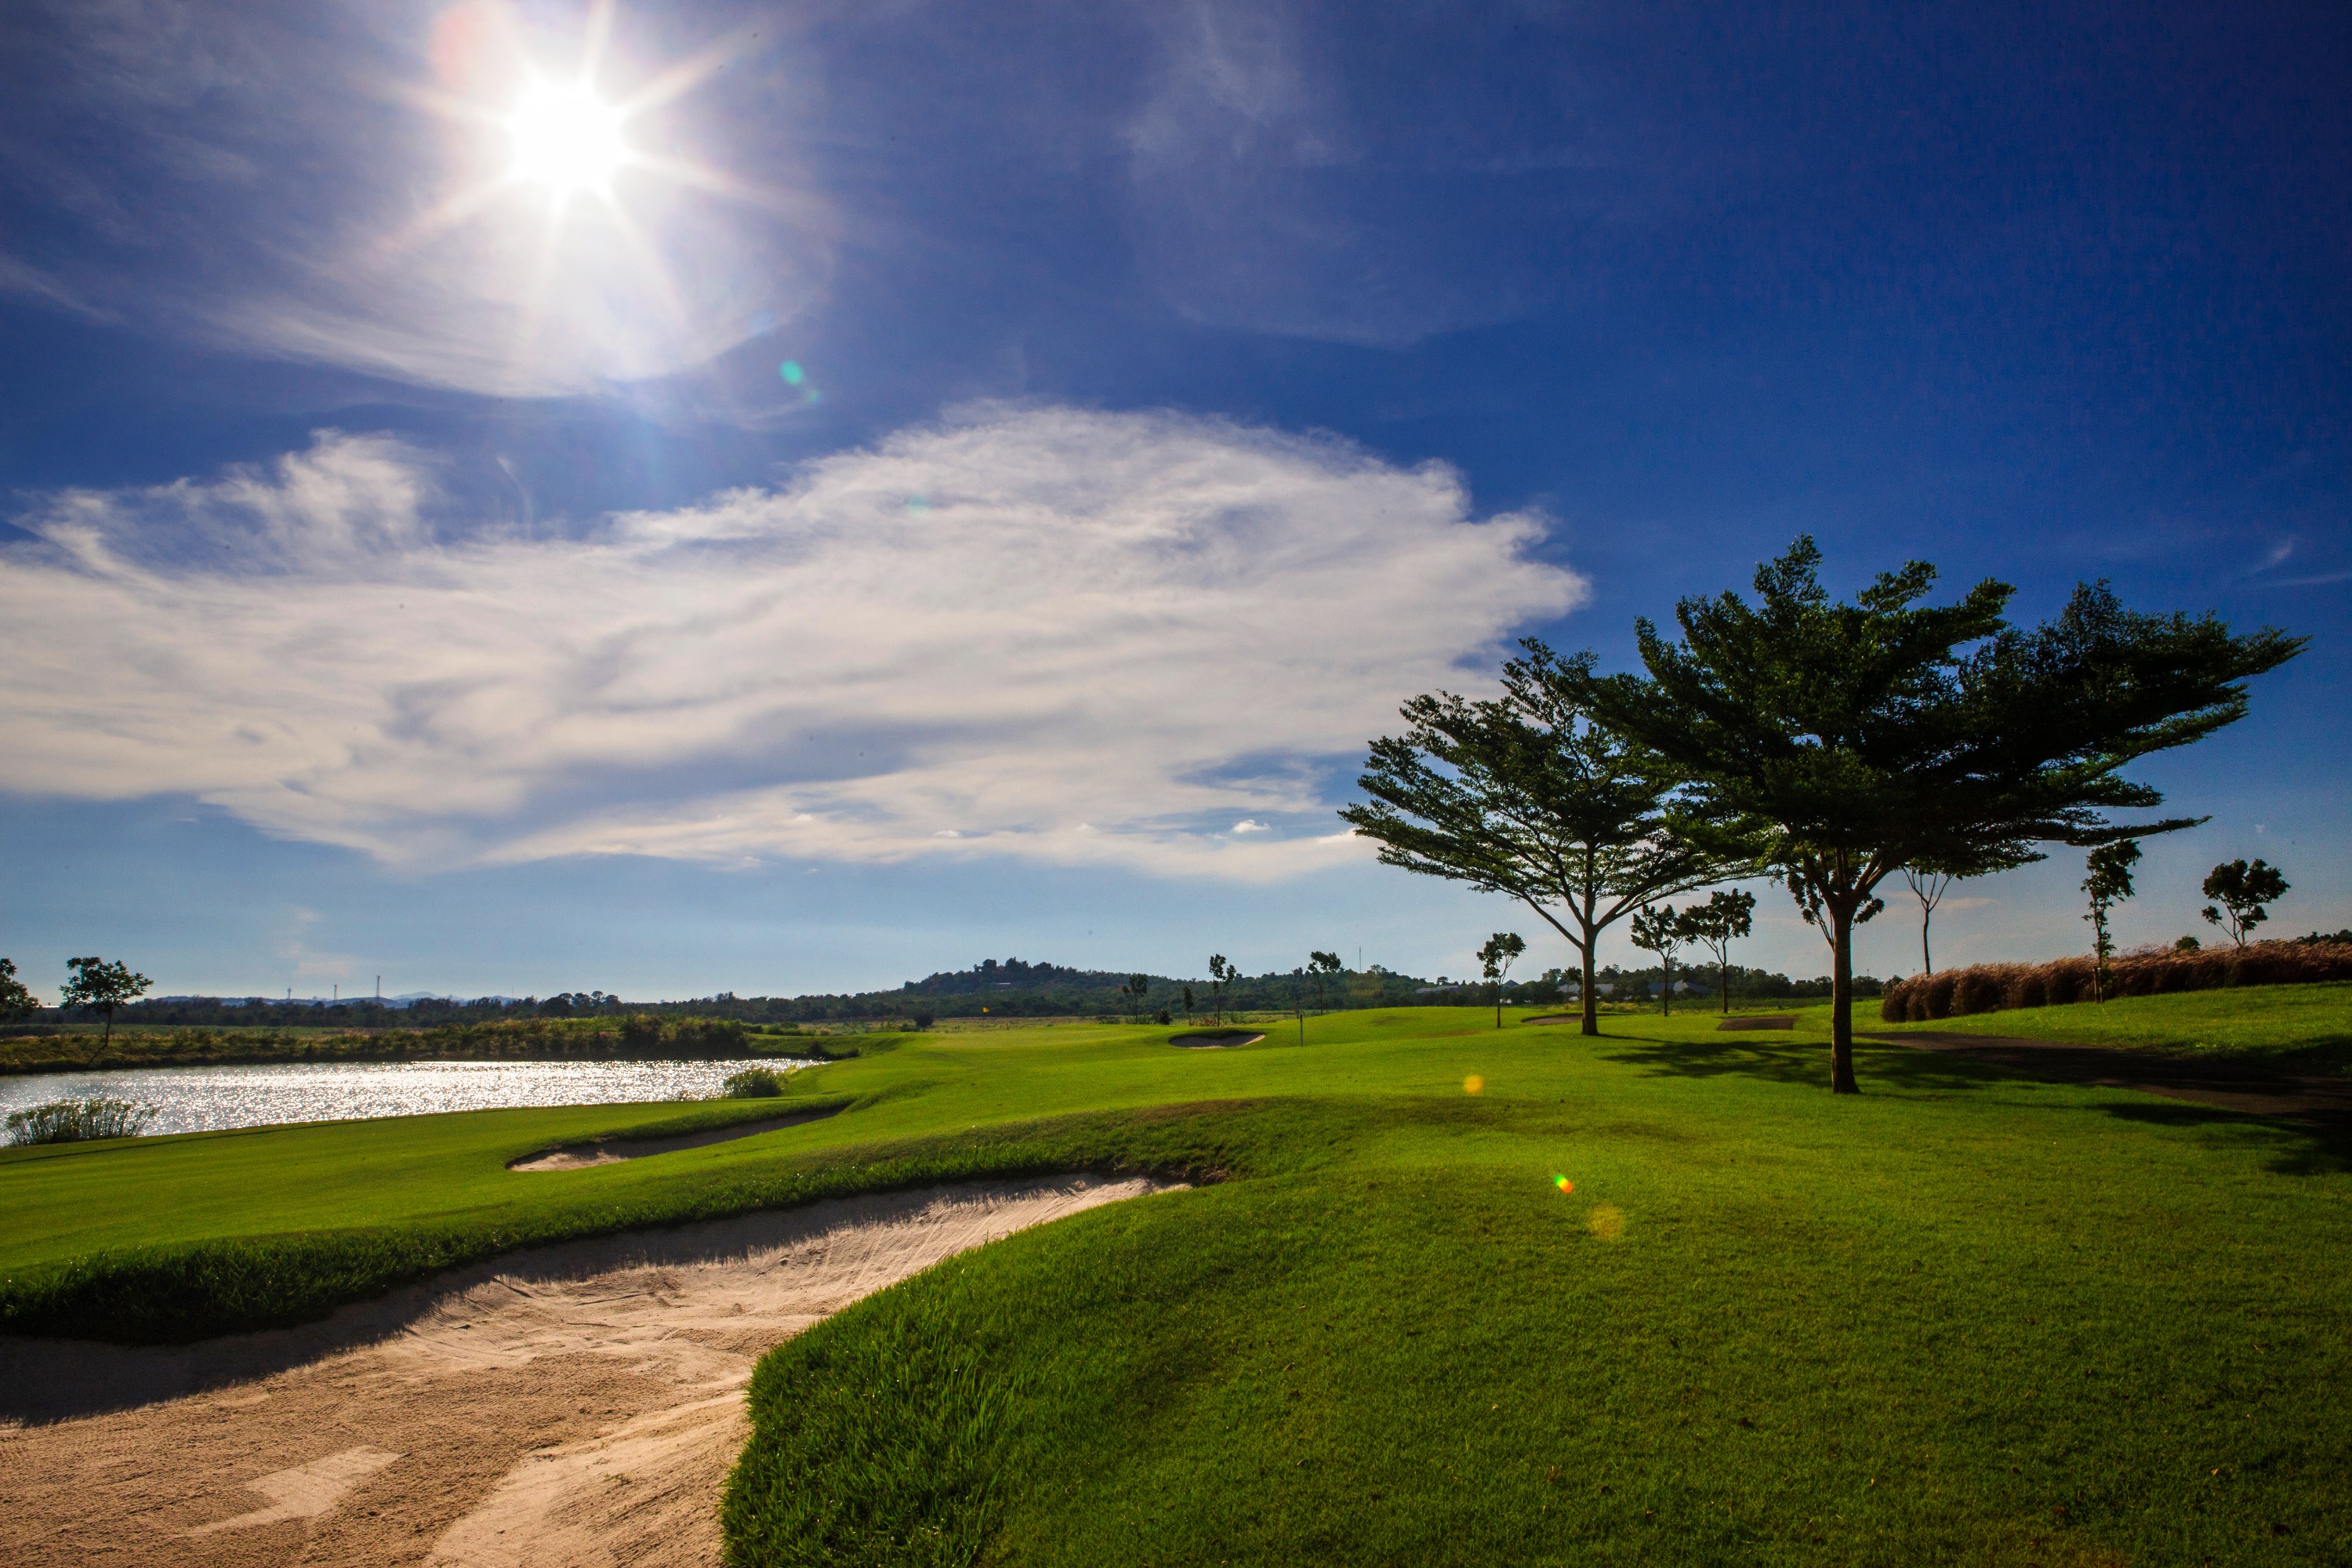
[(612, 1150)]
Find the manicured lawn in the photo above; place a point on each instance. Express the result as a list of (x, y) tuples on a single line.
[(2305, 1028), (1963, 1318)]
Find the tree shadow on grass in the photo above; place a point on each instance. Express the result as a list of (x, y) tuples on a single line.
[(2310, 1145), (2296, 1148)]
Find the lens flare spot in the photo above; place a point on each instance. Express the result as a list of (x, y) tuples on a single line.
[(1474, 1084), (1606, 1222), (1562, 1183), (812, 394), (792, 372), (919, 505)]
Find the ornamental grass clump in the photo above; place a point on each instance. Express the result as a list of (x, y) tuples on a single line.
[(755, 1083), (1994, 987), (79, 1121)]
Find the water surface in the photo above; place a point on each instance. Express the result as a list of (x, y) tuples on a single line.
[(206, 1098)]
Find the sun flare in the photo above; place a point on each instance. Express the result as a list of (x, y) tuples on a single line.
[(566, 139)]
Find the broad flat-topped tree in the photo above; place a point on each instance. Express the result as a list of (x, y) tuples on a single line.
[(1523, 795), (1839, 742), (101, 986)]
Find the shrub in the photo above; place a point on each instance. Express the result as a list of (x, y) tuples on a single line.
[(2148, 972), (755, 1083), (79, 1121)]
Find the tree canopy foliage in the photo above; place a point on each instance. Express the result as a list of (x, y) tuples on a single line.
[(2107, 883), (101, 986), (1524, 795), (1727, 915), (16, 1000), (2240, 892), (1838, 741)]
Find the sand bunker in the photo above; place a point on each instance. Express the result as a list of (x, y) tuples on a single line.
[(576, 1405), (1215, 1039), (612, 1150)]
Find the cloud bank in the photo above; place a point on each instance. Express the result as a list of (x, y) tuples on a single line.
[(1068, 635)]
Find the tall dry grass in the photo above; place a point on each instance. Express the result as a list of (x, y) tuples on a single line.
[(2150, 972), (78, 1121)]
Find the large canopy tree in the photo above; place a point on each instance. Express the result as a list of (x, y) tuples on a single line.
[(1841, 742), (1523, 795)]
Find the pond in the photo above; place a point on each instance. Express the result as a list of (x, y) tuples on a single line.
[(207, 1099)]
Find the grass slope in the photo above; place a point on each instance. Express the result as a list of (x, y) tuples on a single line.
[(1966, 1317), (2294, 1028)]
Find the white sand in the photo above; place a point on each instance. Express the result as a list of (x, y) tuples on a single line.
[(572, 1405)]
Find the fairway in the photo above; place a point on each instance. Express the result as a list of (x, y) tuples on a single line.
[(1965, 1317)]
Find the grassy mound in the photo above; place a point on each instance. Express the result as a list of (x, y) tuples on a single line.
[(1968, 1317), (2290, 1028)]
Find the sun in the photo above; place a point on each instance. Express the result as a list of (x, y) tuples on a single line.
[(566, 140)]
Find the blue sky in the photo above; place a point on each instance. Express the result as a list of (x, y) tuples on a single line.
[(970, 479)]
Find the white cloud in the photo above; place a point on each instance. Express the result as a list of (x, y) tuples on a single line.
[(1105, 639)]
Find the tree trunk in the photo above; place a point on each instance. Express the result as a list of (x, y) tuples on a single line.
[(1841, 1003), (1925, 958), (1666, 991), (1723, 974), (1591, 997)]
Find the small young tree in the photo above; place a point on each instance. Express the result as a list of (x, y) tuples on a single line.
[(1929, 883), (1139, 986), (1502, 950), (16, 1001), (1220, 974), (101, 986), (1323, 966), (1188, 1003), (1524, 795), (1839, 742), (1661, 930), (2241, 891), (1726, 917), (2108, 884)]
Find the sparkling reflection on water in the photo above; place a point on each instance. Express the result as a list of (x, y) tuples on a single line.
[(206, 1098)]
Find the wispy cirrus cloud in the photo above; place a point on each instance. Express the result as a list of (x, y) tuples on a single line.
[(1068, 635)]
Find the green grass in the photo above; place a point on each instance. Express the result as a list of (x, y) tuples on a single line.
[(2305, 1028), (1965, 1317)]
